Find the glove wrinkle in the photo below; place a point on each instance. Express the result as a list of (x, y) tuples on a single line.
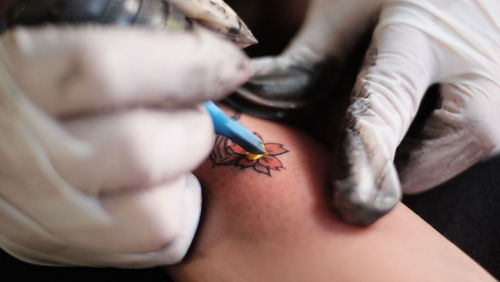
[(446, 141), (449, 138)]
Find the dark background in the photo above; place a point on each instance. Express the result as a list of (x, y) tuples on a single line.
[(466, 209)]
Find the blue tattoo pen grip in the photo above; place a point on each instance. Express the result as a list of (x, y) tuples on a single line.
[(233, 130)]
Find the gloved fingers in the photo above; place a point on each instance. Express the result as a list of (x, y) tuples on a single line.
[(303, 73), (71, 70), (217, 15), (384, 102), (332, 28), (264, 67), (280, 78), (449, 142), (365, 185), (167, 213), (143, 228), (136, 148)]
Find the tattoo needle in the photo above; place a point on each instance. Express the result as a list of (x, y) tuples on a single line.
[(233, 130)]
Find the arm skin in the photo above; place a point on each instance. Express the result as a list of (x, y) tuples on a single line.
[(279, 228)]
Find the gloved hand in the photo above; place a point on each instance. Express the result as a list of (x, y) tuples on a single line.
[(416, 43), (99, 130)]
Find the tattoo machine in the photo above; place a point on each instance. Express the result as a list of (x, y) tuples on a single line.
[(151, 13)]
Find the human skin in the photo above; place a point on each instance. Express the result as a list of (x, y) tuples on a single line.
[(257, 227)]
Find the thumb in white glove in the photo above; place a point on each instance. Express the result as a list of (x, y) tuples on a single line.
[(331, 29), (99, 131)]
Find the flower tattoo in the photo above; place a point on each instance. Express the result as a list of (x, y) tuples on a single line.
[(227, 153)]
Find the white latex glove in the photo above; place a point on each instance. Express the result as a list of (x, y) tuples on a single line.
[(415, 43), (99, 130)]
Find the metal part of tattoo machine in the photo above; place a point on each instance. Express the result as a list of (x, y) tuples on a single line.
[(285, 95), (161, 14)]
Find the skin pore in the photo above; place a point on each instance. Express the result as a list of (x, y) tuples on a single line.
[(277, 226)]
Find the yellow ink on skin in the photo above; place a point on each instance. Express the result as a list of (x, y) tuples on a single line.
[(255, 157)]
